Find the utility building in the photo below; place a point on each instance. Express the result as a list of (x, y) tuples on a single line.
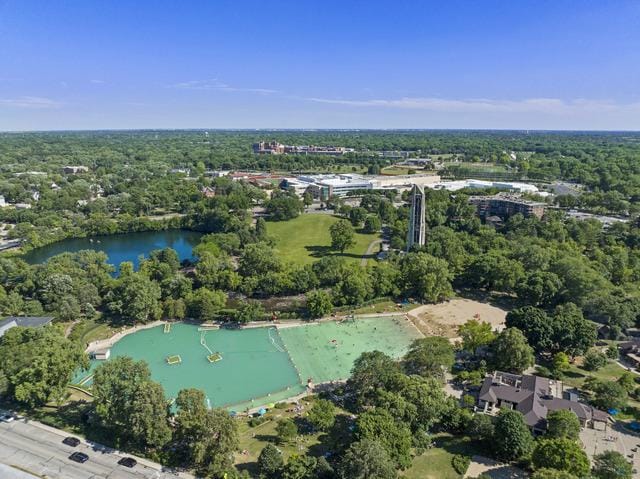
[(417, 227)]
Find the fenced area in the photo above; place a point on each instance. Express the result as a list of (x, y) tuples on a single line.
[(257, 366)]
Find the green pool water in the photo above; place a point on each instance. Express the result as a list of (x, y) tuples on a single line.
[(259, 365)]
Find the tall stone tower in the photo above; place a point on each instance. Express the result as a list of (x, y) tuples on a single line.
[(417, 228)]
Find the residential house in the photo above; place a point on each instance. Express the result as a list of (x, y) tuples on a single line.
[(24, 321), (535, 397)]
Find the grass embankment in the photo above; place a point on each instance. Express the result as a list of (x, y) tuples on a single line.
[(306, 239), (89, 330)]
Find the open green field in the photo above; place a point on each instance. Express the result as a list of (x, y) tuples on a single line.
[(306, 239), (435, 463)]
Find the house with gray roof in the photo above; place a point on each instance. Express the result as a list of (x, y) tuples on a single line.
[(534, 397), (24, 321)]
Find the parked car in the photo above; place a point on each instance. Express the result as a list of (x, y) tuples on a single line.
[(71, 441), (80, 457), (127, 462), (7, 417)]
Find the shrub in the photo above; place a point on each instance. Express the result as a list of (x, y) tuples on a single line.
[(256, 421), (460, 463)]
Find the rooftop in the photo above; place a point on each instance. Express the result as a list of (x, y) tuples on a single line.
[(26, 321)]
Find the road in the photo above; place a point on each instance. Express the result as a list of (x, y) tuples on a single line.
[(38, 449)]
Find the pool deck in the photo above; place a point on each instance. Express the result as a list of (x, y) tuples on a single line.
[(107, 343), (289, 323)]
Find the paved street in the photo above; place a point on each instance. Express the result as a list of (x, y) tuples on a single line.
[(37, 449)]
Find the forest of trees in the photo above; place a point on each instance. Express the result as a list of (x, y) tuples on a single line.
[(562, 278)]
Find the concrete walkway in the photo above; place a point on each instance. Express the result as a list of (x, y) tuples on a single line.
[(107, 343)]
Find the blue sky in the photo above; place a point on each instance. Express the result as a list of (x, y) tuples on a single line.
[(319, 64)]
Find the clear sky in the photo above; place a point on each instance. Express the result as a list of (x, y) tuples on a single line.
[(511, 64)]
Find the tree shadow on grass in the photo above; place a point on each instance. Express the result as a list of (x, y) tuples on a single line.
[(458, 445), (321, 251)]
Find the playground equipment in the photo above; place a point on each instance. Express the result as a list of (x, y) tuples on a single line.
[(175, 359), (212, 357)]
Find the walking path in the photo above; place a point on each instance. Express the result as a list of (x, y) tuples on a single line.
[(369, 252)]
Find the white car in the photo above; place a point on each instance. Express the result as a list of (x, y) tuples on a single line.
[(7, 417)]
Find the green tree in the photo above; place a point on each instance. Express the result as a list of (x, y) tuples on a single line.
[(425, 277), (322, 415), (371, 371), (535, 324), (130, 404), (342, 235), (286, 430), (560, 364), (354, 286), (300, 467), (270, 462), (612, 465), (481, 428), (510, 351), (573, 334), (594, 360), (307, 199), (552, 474), (249, 311), (284, 205), (203, 304), (136, 298), (475, 334), (512, 438), (372, 224), (607, 394), (357, 216), (318, 303), (261, 229), (258, 259), (379, 425), (37, 364), (205, 438), (563, 424), (430, 356), (367, 459), (561, 454)]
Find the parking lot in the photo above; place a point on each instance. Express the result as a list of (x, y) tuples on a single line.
[(615, 438), (31, 448)]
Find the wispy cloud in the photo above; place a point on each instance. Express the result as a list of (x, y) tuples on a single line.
[(217, 85), (34, 102), (482, 105), (97, 82)]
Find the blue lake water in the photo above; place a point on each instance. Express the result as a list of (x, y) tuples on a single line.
[(122, 247)]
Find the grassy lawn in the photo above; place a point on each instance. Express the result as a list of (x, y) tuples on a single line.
[(576, 376), (611, 372), (91, 330), (306, 239), (435, 463), (254, 439), (385, 307)]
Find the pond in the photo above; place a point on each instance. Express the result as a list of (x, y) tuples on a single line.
[(122, 247)]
